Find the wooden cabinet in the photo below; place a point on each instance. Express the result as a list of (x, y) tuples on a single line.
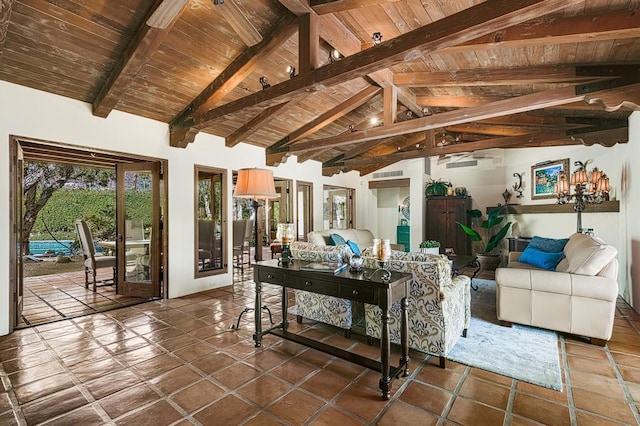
[(442, 213), (403, 236)]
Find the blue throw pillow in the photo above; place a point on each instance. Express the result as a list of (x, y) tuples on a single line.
[(541, 259), (549, 245), (354, 247), (336, 240)]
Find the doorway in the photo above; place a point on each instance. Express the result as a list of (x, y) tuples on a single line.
[(51, 296), (338, 207)]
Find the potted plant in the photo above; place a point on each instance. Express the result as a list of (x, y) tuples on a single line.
[(430, 246), (435, 187), (489, 260)]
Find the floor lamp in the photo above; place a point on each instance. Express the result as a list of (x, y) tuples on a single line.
[(256, 184)]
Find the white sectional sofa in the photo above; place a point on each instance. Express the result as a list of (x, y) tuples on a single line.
[(362, 237), (579, 297)]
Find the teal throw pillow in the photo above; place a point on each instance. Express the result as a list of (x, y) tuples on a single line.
[(541, 259), (549, 245), (336, 240), (354, 247)]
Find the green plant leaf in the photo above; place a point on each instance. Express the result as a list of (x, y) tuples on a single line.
[(475, 236), (496, 238)]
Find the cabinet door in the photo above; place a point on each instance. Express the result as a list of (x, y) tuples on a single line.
[(437, 221), (458, 212)]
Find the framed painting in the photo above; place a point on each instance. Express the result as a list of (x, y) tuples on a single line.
[(545, 175)]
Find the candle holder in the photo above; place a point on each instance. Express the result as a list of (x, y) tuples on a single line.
[(285, 234), (382, 252)]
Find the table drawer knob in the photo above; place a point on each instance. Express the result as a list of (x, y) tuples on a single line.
[(269, 276), (355, 292), (307, 283)]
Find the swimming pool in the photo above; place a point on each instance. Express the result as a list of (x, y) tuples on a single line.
[(42, 246)]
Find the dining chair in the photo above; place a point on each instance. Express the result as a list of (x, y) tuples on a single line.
[(239, 249), (92, 261)]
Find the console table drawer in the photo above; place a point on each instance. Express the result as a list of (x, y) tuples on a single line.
[(328, 288), (273, 277), (358, 293)]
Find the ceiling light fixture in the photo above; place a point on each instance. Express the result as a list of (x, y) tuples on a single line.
[(352, 128), (377, 38), (374, 120), (218, 2), (292, 71), (409, 114), (334, 55), (265, 84), (426, 111)]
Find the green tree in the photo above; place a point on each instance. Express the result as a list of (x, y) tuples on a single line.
[(41, 181)]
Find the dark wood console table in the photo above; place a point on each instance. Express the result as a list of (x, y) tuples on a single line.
[(367, 287)]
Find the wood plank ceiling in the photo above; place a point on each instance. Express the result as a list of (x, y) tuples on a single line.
[(448, 76)]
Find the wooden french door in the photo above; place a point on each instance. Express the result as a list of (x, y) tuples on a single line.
[(138, 251), (17, 274)]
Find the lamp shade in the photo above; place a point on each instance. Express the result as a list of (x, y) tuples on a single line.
[(256, 184)]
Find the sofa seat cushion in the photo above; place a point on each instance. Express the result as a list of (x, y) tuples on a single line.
[(586, 255)]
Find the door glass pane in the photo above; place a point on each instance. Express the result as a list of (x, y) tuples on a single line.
[(209, 233), (304, 210), (138, 207)]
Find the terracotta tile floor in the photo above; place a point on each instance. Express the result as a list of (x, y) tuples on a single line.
[(178, 362), (49, 298)]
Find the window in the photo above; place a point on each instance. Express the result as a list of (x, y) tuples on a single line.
[(210, 221)]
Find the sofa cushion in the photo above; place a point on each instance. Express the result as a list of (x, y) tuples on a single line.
[(549, 245), (354, 247), (586, 255), (336, 240), (317, 239), (540, 259)]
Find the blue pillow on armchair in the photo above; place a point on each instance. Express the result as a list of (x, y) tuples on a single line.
[(541, 259), (354, 247), (336, 240)]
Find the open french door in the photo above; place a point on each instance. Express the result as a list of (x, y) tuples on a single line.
[(138, 251), (17, 278)]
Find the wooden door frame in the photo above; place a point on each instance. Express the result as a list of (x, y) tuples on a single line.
[(15, 141)]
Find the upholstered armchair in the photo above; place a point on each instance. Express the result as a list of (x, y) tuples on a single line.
[(439, 304), (317, 307)]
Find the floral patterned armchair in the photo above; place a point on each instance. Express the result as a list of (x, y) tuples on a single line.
[(439, 304), (317, 307)]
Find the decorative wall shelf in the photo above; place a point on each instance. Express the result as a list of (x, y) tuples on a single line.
[(604, 207)]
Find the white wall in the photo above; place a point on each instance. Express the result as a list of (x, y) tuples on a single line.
[(630, 230), (33, 114)]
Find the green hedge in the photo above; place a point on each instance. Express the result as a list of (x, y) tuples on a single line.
[(97, 207)]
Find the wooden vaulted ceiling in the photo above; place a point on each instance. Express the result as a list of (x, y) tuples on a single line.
[(448, 77)]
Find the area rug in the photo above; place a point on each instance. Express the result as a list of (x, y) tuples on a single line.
[(524, 353)]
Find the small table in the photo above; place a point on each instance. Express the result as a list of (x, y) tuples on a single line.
[(460, 262), (347, 285)]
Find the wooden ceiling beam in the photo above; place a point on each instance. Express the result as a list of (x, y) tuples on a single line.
[(229, 79), (490, 77), (338, 36), (143, 45), (531, 102), (545, 31), (322, 7), (494, 109), (236, 18), (390, 105), (323, 120), (5, 15), (454, 29), (308, 43), (455, 101), (253, 125)]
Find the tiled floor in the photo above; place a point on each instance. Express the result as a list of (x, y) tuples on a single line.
[(178, 362), (49, 298)]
